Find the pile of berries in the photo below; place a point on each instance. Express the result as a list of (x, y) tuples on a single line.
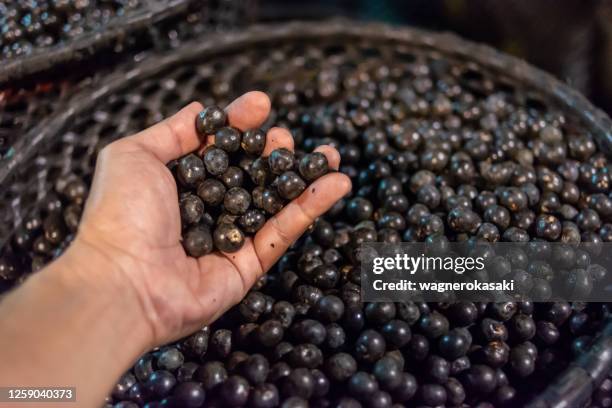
[(230, 190), (44, 235), (28, 25), (436, 149)]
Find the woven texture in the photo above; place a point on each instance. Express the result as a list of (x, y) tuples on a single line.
[(277, 59), (30, 27), (89, 31), (160, 21), (148, 26)]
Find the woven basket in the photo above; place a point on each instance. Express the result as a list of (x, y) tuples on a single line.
[(220, 67), (81, 46), (34, 86)]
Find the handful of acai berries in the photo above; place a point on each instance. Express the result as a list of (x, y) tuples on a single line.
[(229, 190)]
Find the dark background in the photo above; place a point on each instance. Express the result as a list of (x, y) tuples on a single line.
[(569, 38)]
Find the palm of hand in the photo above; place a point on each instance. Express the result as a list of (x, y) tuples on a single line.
[(132, 215), (142, 230)]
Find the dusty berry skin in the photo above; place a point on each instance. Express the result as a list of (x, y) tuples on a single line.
[(290, 185), (237, 200), (192, 209), (232, 177), (228, 238), (211, 191), (313, 165), (228, 139), (257, 197), (198, 241), (190, 170), (271, 202), (254, 141), (216, 161), (210, 120), (281, 160), (235, 391), (252, 221), (259, 171), (189, 394), (160, 383)]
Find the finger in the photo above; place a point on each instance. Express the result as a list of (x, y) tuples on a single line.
[(333, 157), (276, 138), (247, 267), (176, 136), (225, 278), (249, 111), (171, 138), (249, 262), (289, 224)]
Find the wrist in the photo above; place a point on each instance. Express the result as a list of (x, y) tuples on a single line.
[(96, 277), (91, 324)]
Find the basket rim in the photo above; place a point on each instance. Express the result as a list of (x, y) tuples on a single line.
[(86, 44), (571, 100)]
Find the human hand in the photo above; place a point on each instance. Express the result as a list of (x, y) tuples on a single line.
[(132, 220)]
